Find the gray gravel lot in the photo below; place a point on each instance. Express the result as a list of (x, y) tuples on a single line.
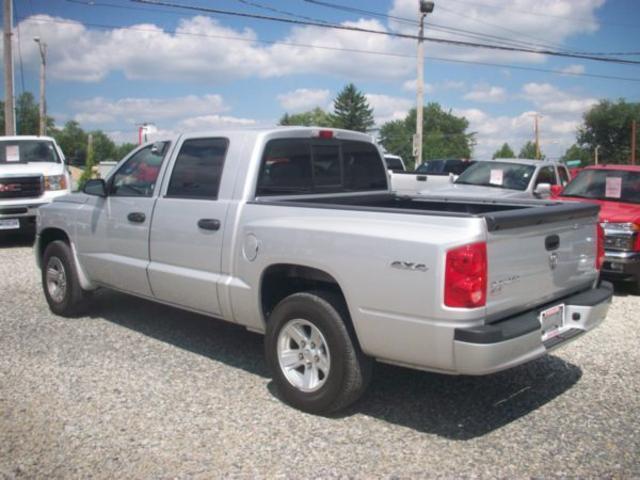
[(138, 390)]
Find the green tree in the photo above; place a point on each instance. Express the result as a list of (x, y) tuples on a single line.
[(123, 150), (27, 116), (316, 117), (351, 110), (104, 148), (608, 124), (528, 150), (576, 152), (73, 142), (504, 152), (445, 135)]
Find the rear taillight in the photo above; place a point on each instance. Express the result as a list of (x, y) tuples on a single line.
[(465, 277), (599, 247), (636, 245)]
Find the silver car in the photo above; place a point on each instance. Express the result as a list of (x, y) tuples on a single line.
[(505, 178)]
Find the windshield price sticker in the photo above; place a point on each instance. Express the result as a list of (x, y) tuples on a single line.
[(12, 153), (613, 187), (496, 177)]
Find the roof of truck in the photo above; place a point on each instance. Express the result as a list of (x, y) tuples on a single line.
[(25, 137), (280, 129), (613, 166), (522, 161)]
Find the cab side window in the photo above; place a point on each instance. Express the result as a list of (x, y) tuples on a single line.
[(198, 169), (138, 176), (546, 175)]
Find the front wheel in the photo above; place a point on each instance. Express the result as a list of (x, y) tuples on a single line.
[(60, 281), (315, 359)]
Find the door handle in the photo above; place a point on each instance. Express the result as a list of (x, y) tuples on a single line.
[(136, 217), (209, 224)]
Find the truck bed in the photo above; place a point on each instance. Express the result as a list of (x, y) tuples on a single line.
[(499, 214)]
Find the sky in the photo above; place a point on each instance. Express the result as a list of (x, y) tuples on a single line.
[(114, 64)]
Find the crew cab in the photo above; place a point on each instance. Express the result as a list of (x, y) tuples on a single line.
[(294, 233), (616, 190), (506, 178), (32, 174)]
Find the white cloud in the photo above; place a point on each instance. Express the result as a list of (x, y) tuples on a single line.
[(561, 116), (387, 108), (575, 69), (100, 110), (205, 122), (120, 117), (411, 86), (544, 22), (553, 101), (203, 49), (429, 88), (486, 94), (303, 99)]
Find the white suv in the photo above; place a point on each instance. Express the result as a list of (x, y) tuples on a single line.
[(32, 173)]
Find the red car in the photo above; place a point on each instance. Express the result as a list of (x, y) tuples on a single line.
[(616, 188)]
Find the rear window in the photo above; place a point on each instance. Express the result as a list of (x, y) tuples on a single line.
[(444, 167), (394, 164), (27, 151), (292, 166)]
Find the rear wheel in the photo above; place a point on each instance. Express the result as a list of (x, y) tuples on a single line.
[(315, 359), (60, 281)]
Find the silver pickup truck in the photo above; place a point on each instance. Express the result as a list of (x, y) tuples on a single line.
[(294, 233)]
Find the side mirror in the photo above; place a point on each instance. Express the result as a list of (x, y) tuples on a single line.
[(556, 190), (95, 187), (543, 189)]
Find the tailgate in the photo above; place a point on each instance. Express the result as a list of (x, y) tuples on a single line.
[(539, 256)]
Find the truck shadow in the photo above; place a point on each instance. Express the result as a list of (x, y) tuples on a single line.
[(458, 408), (463, 407), (624, 289)]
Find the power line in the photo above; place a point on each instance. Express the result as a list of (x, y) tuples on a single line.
[(410, 21), (97, 3), (276, 10), (342, 49), (381, 32)]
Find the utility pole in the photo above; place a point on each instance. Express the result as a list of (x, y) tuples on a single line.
[(597, 149), (43, 102), (425, 8), (633, 142), (9, 102), (536, 128)]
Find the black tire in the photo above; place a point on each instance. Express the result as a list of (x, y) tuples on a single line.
[(72, 302), (350, 370)]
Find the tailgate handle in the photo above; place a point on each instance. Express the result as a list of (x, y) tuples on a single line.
[(421, 178), (552, 242)]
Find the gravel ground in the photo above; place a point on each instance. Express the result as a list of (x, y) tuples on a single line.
[(138, 390)]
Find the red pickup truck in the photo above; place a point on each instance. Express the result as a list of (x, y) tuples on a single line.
[(616, 188)]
